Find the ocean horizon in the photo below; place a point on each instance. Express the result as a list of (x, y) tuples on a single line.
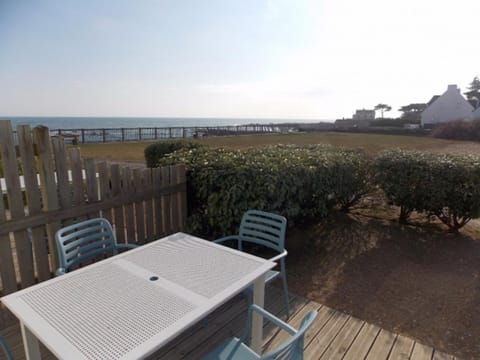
[(95, 122)]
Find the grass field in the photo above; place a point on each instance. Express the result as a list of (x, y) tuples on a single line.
[(371, 143)]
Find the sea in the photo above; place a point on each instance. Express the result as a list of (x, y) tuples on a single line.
[(137, 122)]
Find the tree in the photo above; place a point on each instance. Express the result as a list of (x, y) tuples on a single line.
[(412, 112), (473, 92), (383, 108)]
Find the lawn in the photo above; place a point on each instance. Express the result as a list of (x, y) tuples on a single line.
[(371, 143)]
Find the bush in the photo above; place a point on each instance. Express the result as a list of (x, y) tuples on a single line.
[(446, 186), (298, 182), (154, 152), (458, 130)]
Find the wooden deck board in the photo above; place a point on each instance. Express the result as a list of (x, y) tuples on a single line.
[(342, 342), (382, 346), (333, 335), (402, 348)]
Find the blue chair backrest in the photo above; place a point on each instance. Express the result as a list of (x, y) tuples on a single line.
[(293, 348), (263, 228), (84, 241)]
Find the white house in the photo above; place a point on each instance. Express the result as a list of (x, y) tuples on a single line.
[(364, 115), (451, 105), (476, 114)]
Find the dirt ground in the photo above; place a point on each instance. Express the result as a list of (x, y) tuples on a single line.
[(419, 281)]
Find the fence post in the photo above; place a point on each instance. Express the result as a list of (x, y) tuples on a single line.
[(123, 134), (48, 185), (103, 135), (139, 133)]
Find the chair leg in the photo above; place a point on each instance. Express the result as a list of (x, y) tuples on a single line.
[(285, 290), (248, 296)]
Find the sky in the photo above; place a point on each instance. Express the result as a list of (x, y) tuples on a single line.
[(282, 59)]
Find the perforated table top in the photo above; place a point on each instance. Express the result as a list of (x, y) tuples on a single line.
[(129, 305)]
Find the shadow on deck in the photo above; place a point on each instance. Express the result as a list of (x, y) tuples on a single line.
[(333, 335)]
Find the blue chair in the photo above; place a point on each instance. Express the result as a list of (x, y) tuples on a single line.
[(6, 350), (292, 349), (84, 241), (267, 230)]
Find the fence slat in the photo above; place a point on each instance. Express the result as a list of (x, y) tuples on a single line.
[(166, 206), (182, 196), (174, 200), (105, 191), (118, 211), (157, 201), (33, 197), (77, 176), (48, 185), (7, 267), (139, 189), (127, 188), (91, 184), (61, 167), (149, 210), (23, 245)]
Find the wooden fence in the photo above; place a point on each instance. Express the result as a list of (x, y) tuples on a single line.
[(58, 187), (104, 135)]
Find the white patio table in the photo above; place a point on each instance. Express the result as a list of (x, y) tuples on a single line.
[(129, 305)]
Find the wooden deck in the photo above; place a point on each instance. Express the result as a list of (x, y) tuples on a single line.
[(333, 335)]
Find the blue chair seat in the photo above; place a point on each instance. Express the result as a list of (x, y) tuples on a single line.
[(292, 349), (232, 348), (271, 275)]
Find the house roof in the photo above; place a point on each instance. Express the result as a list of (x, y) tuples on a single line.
[(433, 99)]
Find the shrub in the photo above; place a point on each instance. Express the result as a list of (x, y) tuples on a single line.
[(298, 182), (154, 152), (442, 185), (458, 130)]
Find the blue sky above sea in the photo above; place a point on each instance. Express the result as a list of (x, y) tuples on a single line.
[(267, 59)]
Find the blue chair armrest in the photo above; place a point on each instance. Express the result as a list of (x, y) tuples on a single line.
[(226, 238), (265, 314), (126, 246), (279, 256), (60, 271)]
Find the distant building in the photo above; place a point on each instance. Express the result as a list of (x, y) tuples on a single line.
[(364, 115), (451, 105)]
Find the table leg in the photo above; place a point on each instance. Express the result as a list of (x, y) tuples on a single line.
[(257, 320), (30, 343)]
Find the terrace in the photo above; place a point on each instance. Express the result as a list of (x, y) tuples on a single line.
[(333, 335), (146, 205)]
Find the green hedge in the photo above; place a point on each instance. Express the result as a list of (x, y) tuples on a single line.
[(154, 152), (297, 182), (458, 130), (447, 186)]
